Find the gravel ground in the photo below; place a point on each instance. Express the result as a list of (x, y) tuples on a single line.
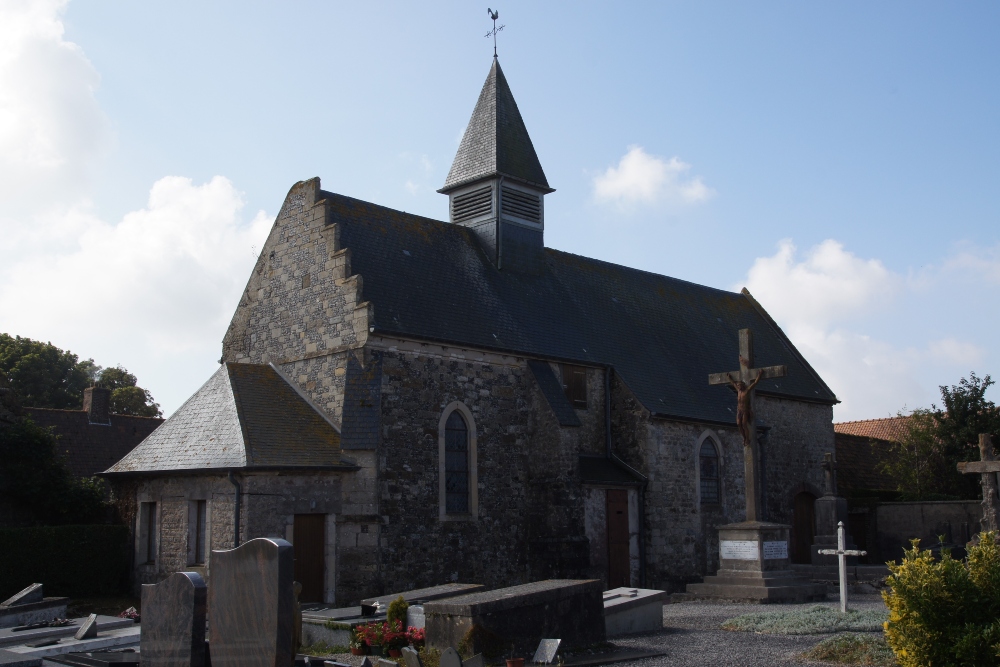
[(691, 636)]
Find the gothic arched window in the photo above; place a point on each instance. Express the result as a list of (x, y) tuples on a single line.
[(708, 473), (456, 465)]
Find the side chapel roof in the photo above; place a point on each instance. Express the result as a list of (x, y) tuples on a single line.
[(496, 142), (430, 280), (245, 416)]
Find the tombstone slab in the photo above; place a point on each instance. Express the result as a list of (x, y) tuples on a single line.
[(546, 651), (88, 629), (570, 609), (8, 659), (173, 621), (474, 661), (251, 605), (629, 611), (411, 657), (754, 566), (32, 593), (450, 658), (31, 612)]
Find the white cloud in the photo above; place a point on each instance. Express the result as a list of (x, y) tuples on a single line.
[(52, 129), (641, 178), (826, 297)]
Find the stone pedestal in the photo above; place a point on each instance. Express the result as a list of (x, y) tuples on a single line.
[(754, 566), (829, 511)]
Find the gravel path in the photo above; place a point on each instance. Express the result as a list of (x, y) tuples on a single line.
[(691, 637)]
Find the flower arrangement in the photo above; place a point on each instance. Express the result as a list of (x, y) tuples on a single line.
[(389, 635), (416, 637)]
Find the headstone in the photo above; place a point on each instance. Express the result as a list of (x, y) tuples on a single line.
[(251, 603), (367, 662), (88, 629), (32, 593), (173, 621), (546, 651), (474, 661), (411, 657), (450, 658), (571, 609)]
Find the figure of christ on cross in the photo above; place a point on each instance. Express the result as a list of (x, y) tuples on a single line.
[(744, 382)]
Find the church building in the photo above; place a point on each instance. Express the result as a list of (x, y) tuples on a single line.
[(413, 402)]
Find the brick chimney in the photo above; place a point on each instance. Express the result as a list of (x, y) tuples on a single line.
[(97, 403)]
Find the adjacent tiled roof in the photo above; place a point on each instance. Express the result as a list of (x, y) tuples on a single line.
[(430, 280), (91, 448), (496, 141), (245, 416), (552, 389), (859, 463), (889, 428)]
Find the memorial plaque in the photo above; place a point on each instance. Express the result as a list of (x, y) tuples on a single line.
[(173, 621), (775, 550), (738, 550), (252, 605), (546, 652), (88, 629), (450, 658)]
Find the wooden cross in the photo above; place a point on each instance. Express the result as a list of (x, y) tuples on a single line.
[(841, 553), (743, 381), (988, 467)]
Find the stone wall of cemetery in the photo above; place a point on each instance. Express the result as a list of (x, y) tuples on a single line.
[(681, 539), (302, 309), (530, 519)]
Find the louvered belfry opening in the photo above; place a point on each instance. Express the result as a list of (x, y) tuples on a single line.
[(472, 204), (520, 204)]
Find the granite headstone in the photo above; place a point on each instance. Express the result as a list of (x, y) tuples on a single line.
[(173, 621), (450, 658), (32, 593), (88, 629), (251, 605), (411, 657), (546, 652)]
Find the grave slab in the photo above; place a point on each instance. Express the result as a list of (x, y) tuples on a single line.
[(33, 593), (251, 605), (173, 621), (629, 611), (32, 612), (754, 566), (10, 638), (8, 659), (118, 638), (411, 657), (570, 609)]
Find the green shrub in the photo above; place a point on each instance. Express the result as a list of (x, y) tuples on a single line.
[(946, 613), (76, 561), (397, 612)]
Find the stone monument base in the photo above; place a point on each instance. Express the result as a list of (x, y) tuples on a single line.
[(754, 566)]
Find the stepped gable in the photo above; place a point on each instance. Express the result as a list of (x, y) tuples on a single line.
[(431, 280)]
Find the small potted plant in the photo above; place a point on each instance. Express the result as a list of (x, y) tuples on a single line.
[(513, 660), (416, 637), (375, 638), (357, 643), (395, 638)]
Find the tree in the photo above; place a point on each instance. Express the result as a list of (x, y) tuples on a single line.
[(43, 375), (916, 461), (126, 397)]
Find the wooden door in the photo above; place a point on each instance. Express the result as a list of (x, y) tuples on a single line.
[(803, 527), (309, 540), (618, 542)]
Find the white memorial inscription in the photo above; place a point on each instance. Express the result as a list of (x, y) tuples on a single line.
[(738, 549), (775, 550)]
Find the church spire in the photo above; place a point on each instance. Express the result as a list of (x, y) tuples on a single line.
[(496, 142), (496, 184)]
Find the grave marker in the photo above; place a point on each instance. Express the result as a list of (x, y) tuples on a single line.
[(251, 605), (173, 628), (546, 652), (988, 467), (474, 661), (450, 658), (841, 553), (411, 657), (88, 629), (32, 593)]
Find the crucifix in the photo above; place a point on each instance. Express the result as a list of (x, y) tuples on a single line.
[(841, 553), (988, 467), (493, 33), (744, 381)]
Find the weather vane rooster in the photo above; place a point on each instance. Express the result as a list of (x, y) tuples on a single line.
[(493, 33)]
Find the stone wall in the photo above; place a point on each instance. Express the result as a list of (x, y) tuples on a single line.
[(898, 523), (302, 308)]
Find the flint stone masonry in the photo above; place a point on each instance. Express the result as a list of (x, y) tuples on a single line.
[(571, 610)]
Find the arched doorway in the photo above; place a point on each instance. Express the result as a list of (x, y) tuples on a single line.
[(803, 526)]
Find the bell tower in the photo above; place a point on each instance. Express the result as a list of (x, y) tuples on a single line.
[(496, 185)]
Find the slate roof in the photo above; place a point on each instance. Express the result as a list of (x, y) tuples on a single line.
[(91, 448), (245, 416), (430, 280), (889, 428), (496, 142)]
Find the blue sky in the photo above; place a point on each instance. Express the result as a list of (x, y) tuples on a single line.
[(840, 160)]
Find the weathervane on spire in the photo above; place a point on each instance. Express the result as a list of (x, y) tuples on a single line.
[(493, 33)]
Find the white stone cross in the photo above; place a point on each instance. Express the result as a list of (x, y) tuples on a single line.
[(841, 553)]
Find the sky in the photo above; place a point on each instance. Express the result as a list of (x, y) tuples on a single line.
[(839, 160)]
